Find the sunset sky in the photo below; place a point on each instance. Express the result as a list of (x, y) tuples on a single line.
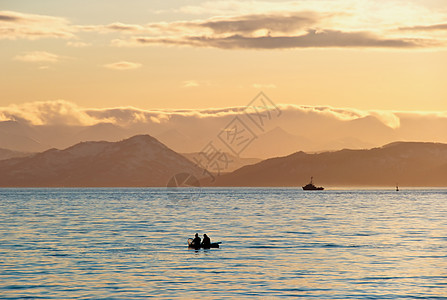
[(386, 55)]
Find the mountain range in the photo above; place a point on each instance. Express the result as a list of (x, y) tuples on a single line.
[(403, 163), (138, 161), (143, 161)]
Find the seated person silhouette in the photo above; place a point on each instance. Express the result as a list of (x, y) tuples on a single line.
[(206, 243), (196, 241)]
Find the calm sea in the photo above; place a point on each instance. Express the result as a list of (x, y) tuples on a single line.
[(131, 243)]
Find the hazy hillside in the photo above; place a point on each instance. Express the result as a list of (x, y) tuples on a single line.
[(6, 154), (19, 137), (144, 161), (234, 162), (138, 161), (405, 163)]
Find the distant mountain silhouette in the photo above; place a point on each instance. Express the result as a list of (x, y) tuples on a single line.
[(138, 161), (19, 137), (277, 142), (6, 154), (102, 132), (177, 141), (234, 162), (342, 143), (367, 127), (405, 163)]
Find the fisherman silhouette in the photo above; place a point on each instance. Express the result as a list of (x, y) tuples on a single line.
[(196, 241), (206, 243)]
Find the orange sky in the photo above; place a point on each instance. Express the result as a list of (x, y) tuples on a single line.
[(388, 55)]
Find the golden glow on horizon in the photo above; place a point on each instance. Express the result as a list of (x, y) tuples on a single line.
[(402, 66)]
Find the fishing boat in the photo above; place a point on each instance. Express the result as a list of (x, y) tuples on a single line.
[(311, 187), (212, 245)]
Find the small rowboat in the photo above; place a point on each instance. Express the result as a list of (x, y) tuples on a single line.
[(212, 245)]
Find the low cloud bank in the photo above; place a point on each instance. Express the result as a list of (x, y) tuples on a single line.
[(62, 112), (60, 124)]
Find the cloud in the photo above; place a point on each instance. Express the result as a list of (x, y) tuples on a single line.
[(245, 24), (38, 56), (313, 38), (58, 112), (259, 25), (278, 30), (388, 118), (77, 44), (351, 14), (249, 24), (264, 86), (14, 25), (123, 65), (190, 83), (232, 7), (114, 27), (124, 27), (343, 114), (425, 27), (61, 112), (296, 24)]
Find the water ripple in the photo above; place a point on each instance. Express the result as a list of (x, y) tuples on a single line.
[(131, 243)]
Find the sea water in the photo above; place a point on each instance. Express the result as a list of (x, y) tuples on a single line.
[(131, 243)]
